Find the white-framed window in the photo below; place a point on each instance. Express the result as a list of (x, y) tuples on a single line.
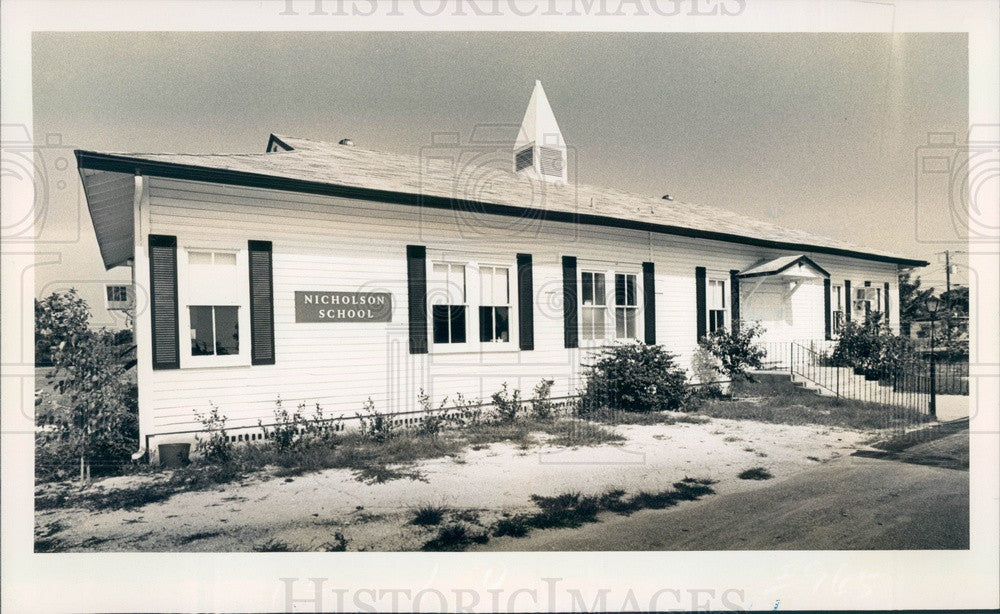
[(609, 305), (593, 305), (214, 306), (116, 296), (837, 309), (448, 296), (494, 304), (716, 304), (626, 306)]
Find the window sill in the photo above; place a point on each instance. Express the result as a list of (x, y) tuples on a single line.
[(214, 362)]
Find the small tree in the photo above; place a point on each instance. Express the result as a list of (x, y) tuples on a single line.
[(736, 352), (96, 420)]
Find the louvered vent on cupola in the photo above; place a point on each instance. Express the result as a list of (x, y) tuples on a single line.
[(539, 151)]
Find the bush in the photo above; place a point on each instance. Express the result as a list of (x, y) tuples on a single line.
[(633, 377), (735, 351), (872, 348), (507, 405), (542, 407), (95, 422), (294, 430), (214, 445), (375, 425)]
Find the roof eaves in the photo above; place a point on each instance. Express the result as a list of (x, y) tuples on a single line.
[(128, 164)]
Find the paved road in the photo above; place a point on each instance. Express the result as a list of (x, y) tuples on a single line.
[(850, 503)]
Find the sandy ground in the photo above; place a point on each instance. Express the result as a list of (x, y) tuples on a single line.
[(307, 511), (851, 503)]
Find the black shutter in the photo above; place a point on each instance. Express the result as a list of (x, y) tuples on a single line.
[(261, 303), (649, 301), (525, 303), (699, 301), (734, 299), (416, 280), (849, 307), (885, 302), (571, 334), (163, 301), (868, 304), (827, 316)]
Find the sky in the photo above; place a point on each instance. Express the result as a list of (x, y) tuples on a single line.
[(819, 132)]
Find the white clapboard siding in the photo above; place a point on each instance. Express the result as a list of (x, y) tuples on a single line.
[(322, 243)]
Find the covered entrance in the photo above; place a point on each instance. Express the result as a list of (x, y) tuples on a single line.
[(786, 296)]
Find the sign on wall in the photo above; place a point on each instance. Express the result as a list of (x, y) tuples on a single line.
[(342, 306)]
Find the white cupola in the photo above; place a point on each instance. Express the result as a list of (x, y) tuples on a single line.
[(539, 150)]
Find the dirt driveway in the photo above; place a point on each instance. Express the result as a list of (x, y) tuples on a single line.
[(312, 511), (910, 500)]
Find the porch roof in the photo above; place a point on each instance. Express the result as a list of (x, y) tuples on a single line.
[(781, 265)]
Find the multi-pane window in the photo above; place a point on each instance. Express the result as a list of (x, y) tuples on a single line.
[(494, 304), (446, 291), (117, 294), (837, 308), (593, 305), (214, 330), (716, 305), (626, 306), (213, 309)]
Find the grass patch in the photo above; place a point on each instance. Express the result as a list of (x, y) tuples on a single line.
[(373, 462), (455, 537), (774, 399), (609, 416), (757, 473), (572, 433), (572, 510), (428, 515), (273, 545)]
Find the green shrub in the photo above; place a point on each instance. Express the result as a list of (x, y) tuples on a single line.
[(213, 444), (294, 430), (633, 377), (375, 425), (871, 348), (542, 407), (735, 351), (507, 405)]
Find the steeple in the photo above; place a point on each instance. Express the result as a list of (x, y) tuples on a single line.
[(539, 150)]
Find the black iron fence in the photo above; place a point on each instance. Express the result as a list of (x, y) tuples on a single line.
[(913, 387)]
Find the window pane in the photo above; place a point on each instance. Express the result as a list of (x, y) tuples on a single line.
[(202, 339), (227, 331), (587, 318), (600, 296), (619, 289), (630, 290), (199, 257), (439, 313), (486, 324), (501, 290), (503, 324), (225, 259), (598, 324), (457, 323), (587, 292), (630, 323), (619, 322)]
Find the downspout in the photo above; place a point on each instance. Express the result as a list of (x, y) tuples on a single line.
[(140, 321)]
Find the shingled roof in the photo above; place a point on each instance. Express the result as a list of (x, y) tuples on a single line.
[(318, 167)]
